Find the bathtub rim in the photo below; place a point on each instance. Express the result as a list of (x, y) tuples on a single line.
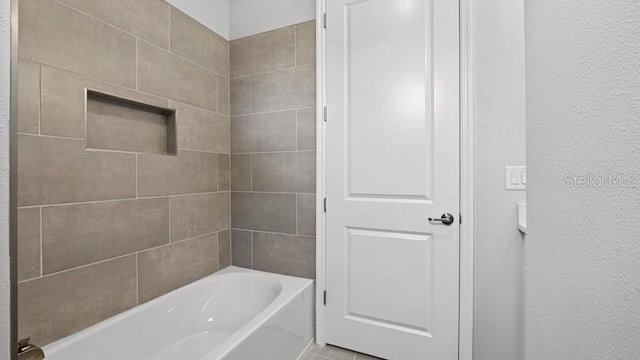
[(291, 287)]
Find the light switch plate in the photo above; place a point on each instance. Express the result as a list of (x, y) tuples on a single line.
[(515, 177)]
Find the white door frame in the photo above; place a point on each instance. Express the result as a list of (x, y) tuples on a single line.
[(465, 340)]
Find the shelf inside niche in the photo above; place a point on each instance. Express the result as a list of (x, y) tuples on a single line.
[(118, 124)]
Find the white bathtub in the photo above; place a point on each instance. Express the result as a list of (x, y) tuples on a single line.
[(235, 314)]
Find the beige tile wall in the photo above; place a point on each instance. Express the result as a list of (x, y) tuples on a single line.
[(273, 145), (102, 231)]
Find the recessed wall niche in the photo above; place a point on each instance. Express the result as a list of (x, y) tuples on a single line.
[(119, 124)]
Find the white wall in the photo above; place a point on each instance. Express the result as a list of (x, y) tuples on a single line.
[(499, 106), (583, 116), (249, 17), (5, 36), (234, 19), (213, 14)]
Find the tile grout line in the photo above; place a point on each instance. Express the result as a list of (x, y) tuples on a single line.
[(272, 152), (122, 87), (250, 96), (218, 257), (229, 223), (192, 62), (169, 30), (169, 219), (44, 276), (135, 253), (218, 252), (217, 94), (135, 152), (117, 151), (274, 192), (288, 68), (136, 63), (230, 245), (41, 246), (52, 136), (251, 249), (250, 173), (195, 106), (274, 232), (140, 38), (137, 176), (247, 37), (102, 81), (272, 111), (40, 98), (121, 200), (137, 281)]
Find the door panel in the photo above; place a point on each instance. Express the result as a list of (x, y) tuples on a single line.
[(374, 44), (378, 301), (392, 162)]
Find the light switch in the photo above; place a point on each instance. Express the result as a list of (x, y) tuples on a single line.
[(515, 177)]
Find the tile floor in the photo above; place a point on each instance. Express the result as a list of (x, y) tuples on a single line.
[(315, 352)]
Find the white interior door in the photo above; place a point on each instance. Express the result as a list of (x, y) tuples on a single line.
[(393, 162)]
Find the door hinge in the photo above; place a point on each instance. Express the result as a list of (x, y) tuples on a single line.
[(324, 113), (324, 20), (324, 298), (325, 205)]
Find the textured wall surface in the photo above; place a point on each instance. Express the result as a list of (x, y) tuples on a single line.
[(5, 45), (583, 117), (273, 150), (499, 114), (101, 231)]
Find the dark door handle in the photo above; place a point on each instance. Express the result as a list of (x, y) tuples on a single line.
[(446, 219)]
